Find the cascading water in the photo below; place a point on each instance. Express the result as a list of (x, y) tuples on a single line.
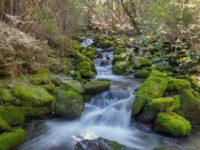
[(107, 115)]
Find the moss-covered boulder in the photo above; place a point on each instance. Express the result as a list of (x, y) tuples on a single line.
[(120, 67), (142, 74), (176, 85), (12, 139), (172, 124), (69, 104), (106, 43), (6, 96), (32, 95), (4, 126), (138, 61), (166, 104), (190, 105), (12, 115), (85, 69), (73, 85), (94, 87), (153, 87)]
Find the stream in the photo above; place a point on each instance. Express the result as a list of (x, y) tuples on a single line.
[(106, 115)]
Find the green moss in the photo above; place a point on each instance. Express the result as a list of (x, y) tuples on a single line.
[(106, 43), (40, 78), (176, 85), (12, 115), (117, 58), (120, 67), (69, 104), (141, 61), (94, 87), (153, 87), (114, 145), (142, 74), (4, 126), (50, 87), (190, 105), (119, 50), (172, 124), (12, 139), (89, 52), (85, 69), (77, 75), (72, 85), (6, 96), (32, 95), (159, 74), (84, 65), (167, 104)]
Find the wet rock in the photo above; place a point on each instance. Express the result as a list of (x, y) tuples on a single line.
[(120, 67), (138, 61), (166, 104), (153, 87), (190, 105), (94, 87), (69, 104), (172, 124), (142, 74), (98, 144)]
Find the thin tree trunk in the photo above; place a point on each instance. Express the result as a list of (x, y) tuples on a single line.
[(130, 10)]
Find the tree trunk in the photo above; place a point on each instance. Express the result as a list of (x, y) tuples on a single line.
[(130, 9)]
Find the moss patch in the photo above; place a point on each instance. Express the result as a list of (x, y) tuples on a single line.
[(120, 67), (153, 87), (142, 74), (172, 124), (32, 95), (190, 105), (4, 126), (167, 104), (176, 85), (69, 104), (12, 139), (140, 61), (94, 87), (6, 96), (12, 115)]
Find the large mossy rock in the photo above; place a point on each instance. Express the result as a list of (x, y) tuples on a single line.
[(172, 124), (4, 126), (10, 140), (142, 74), (138, 61), (85, 69), (32, 95), (69, 104), (157, 105), (153, 87), (16, 116), (190, 105), (120, 67), (73, 85), (94, 87), (12, 115), (176, 85)]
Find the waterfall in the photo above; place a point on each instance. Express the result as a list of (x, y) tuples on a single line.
[(107, 115)]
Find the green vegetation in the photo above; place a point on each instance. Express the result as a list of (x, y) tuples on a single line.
[(4, 126), (142, 74), (153, 87), (172, 124), (69, 104), (32, 95), (10, 140), (94, 87)]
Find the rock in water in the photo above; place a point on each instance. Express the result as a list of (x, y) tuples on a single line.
[(98, 144)]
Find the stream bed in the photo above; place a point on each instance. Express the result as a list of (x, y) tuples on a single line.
[(106, 115)]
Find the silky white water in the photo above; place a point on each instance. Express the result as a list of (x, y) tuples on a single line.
[(107, 115)]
